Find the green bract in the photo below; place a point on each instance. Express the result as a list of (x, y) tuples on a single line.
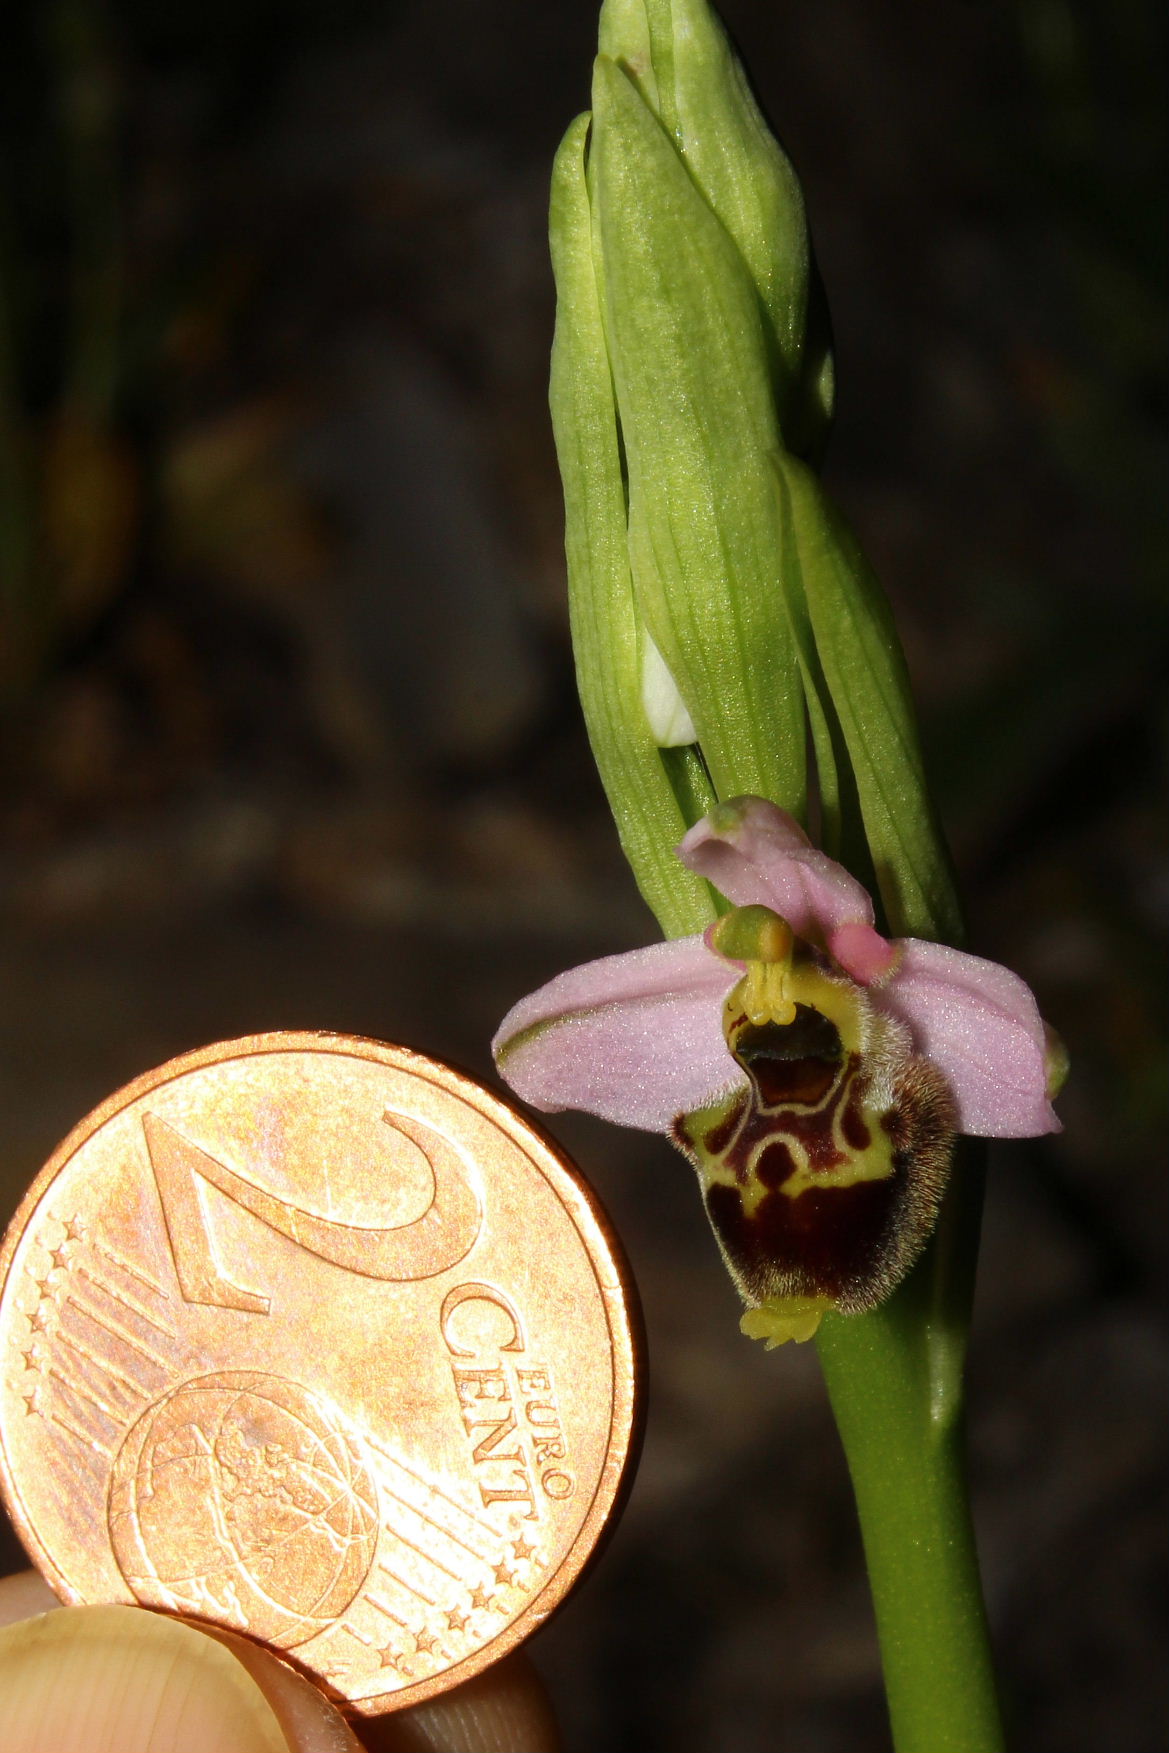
[(714, 590), (605, 628), (698, 420), (864, 689), (677, 54)]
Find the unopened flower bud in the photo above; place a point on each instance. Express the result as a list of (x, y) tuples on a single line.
[(670, 723)]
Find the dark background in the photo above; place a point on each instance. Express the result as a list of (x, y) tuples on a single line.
[(290, 738)]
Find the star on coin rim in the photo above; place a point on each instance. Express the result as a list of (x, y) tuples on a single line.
[(610, 1268)]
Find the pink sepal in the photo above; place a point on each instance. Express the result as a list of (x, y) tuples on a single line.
[(981, 1026), (635, 1038)]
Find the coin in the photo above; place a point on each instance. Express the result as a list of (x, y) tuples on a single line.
[(315, 1339)]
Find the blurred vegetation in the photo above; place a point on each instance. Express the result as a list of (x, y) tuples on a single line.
[(119, 298)]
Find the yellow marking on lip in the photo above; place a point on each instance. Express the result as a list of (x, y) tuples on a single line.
[(873, 1164)]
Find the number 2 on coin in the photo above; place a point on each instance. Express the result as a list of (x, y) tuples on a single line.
[(442, 1236)]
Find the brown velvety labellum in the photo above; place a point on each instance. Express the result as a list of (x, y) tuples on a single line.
[(823, 1178)]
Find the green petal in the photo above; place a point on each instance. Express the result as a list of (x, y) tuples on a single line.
[(601, 602)]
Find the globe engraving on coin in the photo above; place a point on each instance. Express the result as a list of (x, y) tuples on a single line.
[(238, 1498), (317, 1340)]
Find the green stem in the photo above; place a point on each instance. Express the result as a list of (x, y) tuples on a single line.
[(694, 791), (895, 1382), (689, 781)]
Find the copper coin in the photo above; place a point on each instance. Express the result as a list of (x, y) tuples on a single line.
[(316, 1339)]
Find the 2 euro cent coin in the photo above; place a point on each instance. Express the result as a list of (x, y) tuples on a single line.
[(317, 1340)]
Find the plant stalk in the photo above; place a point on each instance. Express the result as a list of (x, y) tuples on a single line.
[(894, 1379)]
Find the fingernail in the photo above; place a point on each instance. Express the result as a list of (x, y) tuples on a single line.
[(123, 1680)]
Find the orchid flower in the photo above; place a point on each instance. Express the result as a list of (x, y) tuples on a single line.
[(731, 638), (813, 1071)]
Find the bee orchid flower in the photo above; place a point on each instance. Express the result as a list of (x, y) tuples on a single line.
[(814, 1072)]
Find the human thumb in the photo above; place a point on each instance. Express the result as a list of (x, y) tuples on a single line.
[(124, 1680)]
